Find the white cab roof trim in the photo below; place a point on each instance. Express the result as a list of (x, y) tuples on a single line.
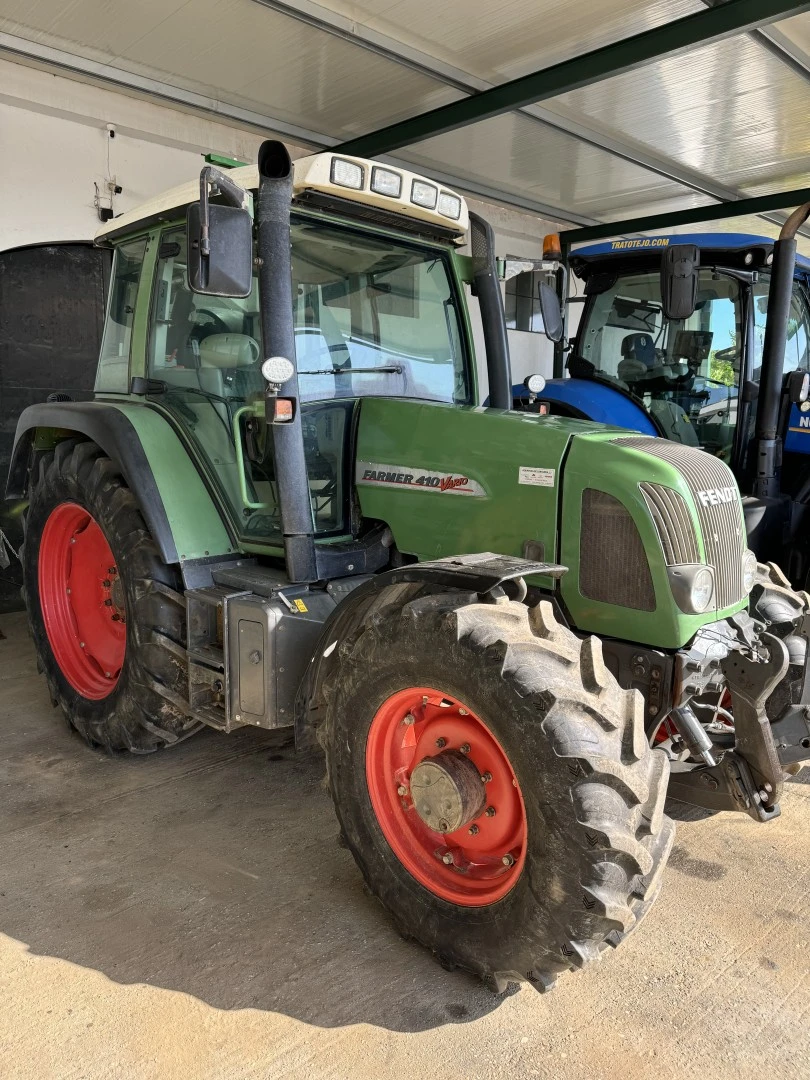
[(310, 173)]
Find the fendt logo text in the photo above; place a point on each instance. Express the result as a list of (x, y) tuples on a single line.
[(715, 496)]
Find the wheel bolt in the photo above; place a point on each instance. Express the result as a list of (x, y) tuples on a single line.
[(67, 591), (463, 712), (107, 602), (447, 858), (473, 830), (508, 860), (486, 777), (465, 748), (409, 719), (402, 790), (81, 644), (108, 674), (490, 811), (106, 583), (112, 570), (441, 742), (116, 617)]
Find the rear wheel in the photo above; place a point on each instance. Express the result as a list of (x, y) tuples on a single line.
[(106, 614), (495, 785)]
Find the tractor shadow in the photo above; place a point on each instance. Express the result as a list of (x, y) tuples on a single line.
[(212, 869)]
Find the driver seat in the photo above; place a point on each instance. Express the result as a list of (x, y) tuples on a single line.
[(638, 352)]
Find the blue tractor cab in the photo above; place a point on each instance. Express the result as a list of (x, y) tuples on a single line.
[(694, 374)]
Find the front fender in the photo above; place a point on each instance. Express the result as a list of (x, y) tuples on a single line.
[(182, 517)]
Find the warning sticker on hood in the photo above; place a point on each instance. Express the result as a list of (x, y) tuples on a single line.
[(538, 477), (449, 483)]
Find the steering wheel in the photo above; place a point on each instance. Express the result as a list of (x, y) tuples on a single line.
[(211, 324)]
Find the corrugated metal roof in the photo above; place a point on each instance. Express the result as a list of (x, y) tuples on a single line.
[(728, 119)]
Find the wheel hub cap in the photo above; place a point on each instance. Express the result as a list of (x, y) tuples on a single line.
[(447, 791)]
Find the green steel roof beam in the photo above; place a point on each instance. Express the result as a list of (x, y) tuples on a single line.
[(681, 35), (713, 212)]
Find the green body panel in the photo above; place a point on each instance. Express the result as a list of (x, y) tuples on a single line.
[(193, 516), (487, 446), (595, 461)]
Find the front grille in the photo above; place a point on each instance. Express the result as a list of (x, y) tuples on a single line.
[(673, 523), (721, 524), (613, 564)]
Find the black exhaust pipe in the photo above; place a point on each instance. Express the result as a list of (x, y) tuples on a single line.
[(278, 338), (488, 290), (768, 441)]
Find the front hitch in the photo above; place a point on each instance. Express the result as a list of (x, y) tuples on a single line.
[(749, 777)]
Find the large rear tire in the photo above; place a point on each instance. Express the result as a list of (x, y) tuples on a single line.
[(106, 614), (565, 853)]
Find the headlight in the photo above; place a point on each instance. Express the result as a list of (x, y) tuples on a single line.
[(749, 570), (423, 194), (692, 586), (386, 182), (450, 205), (347, 173)]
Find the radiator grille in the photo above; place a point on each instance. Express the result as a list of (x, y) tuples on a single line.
[(673, 523), (613, 564), (721, 524)]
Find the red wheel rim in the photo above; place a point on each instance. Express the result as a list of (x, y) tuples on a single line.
[(480, 862), (81, 597)]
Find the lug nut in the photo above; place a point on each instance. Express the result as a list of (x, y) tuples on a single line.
[(447, 858), (409, 719), (441, 743), (107, 602), (81, 644), (402, 790), (465, 748), (473, 830), (508, 860), (112, 570), (107, 674), (463, 712), (444, 826), (490, 811), (486, 777), (106, 583)]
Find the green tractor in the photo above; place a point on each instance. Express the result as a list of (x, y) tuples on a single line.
[(290, 504)]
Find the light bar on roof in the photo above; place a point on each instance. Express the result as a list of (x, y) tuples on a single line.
[(396, 190)]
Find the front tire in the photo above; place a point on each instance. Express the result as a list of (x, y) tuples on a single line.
[(106, 614), (572, 857)]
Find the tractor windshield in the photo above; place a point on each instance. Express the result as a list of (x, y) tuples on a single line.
[(686, 372)]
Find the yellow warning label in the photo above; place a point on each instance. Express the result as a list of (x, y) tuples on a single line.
[(300, 605)]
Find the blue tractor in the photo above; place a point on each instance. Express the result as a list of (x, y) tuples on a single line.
[(702, 339)]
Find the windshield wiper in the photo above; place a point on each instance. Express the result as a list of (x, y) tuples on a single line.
[(393, 369)]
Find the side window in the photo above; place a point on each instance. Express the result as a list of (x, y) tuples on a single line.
[(796, 349), (116, 344), (204, 343)]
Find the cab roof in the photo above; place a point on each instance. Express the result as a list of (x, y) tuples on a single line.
[(708, 241), (314, 174)]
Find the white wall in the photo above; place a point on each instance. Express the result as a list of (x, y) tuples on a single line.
[(55, 148)]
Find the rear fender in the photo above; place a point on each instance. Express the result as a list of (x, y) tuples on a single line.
[(181, 514)]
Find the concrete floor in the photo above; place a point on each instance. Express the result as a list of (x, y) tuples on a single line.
[(190, 915)]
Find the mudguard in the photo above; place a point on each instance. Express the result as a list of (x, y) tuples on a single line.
[(476, 574), (588, 400), (182, 517)]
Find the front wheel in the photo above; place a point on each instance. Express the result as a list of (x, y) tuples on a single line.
[(106, 614), (495, 785)]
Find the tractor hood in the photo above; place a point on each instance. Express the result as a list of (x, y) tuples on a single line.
[(630, 516)]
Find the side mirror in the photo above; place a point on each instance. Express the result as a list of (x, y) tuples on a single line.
[(798, 387), (680, 265), (220, 240), (551, 311)]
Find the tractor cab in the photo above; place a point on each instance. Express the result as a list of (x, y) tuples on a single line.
[(692, 379), (378, 311)]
